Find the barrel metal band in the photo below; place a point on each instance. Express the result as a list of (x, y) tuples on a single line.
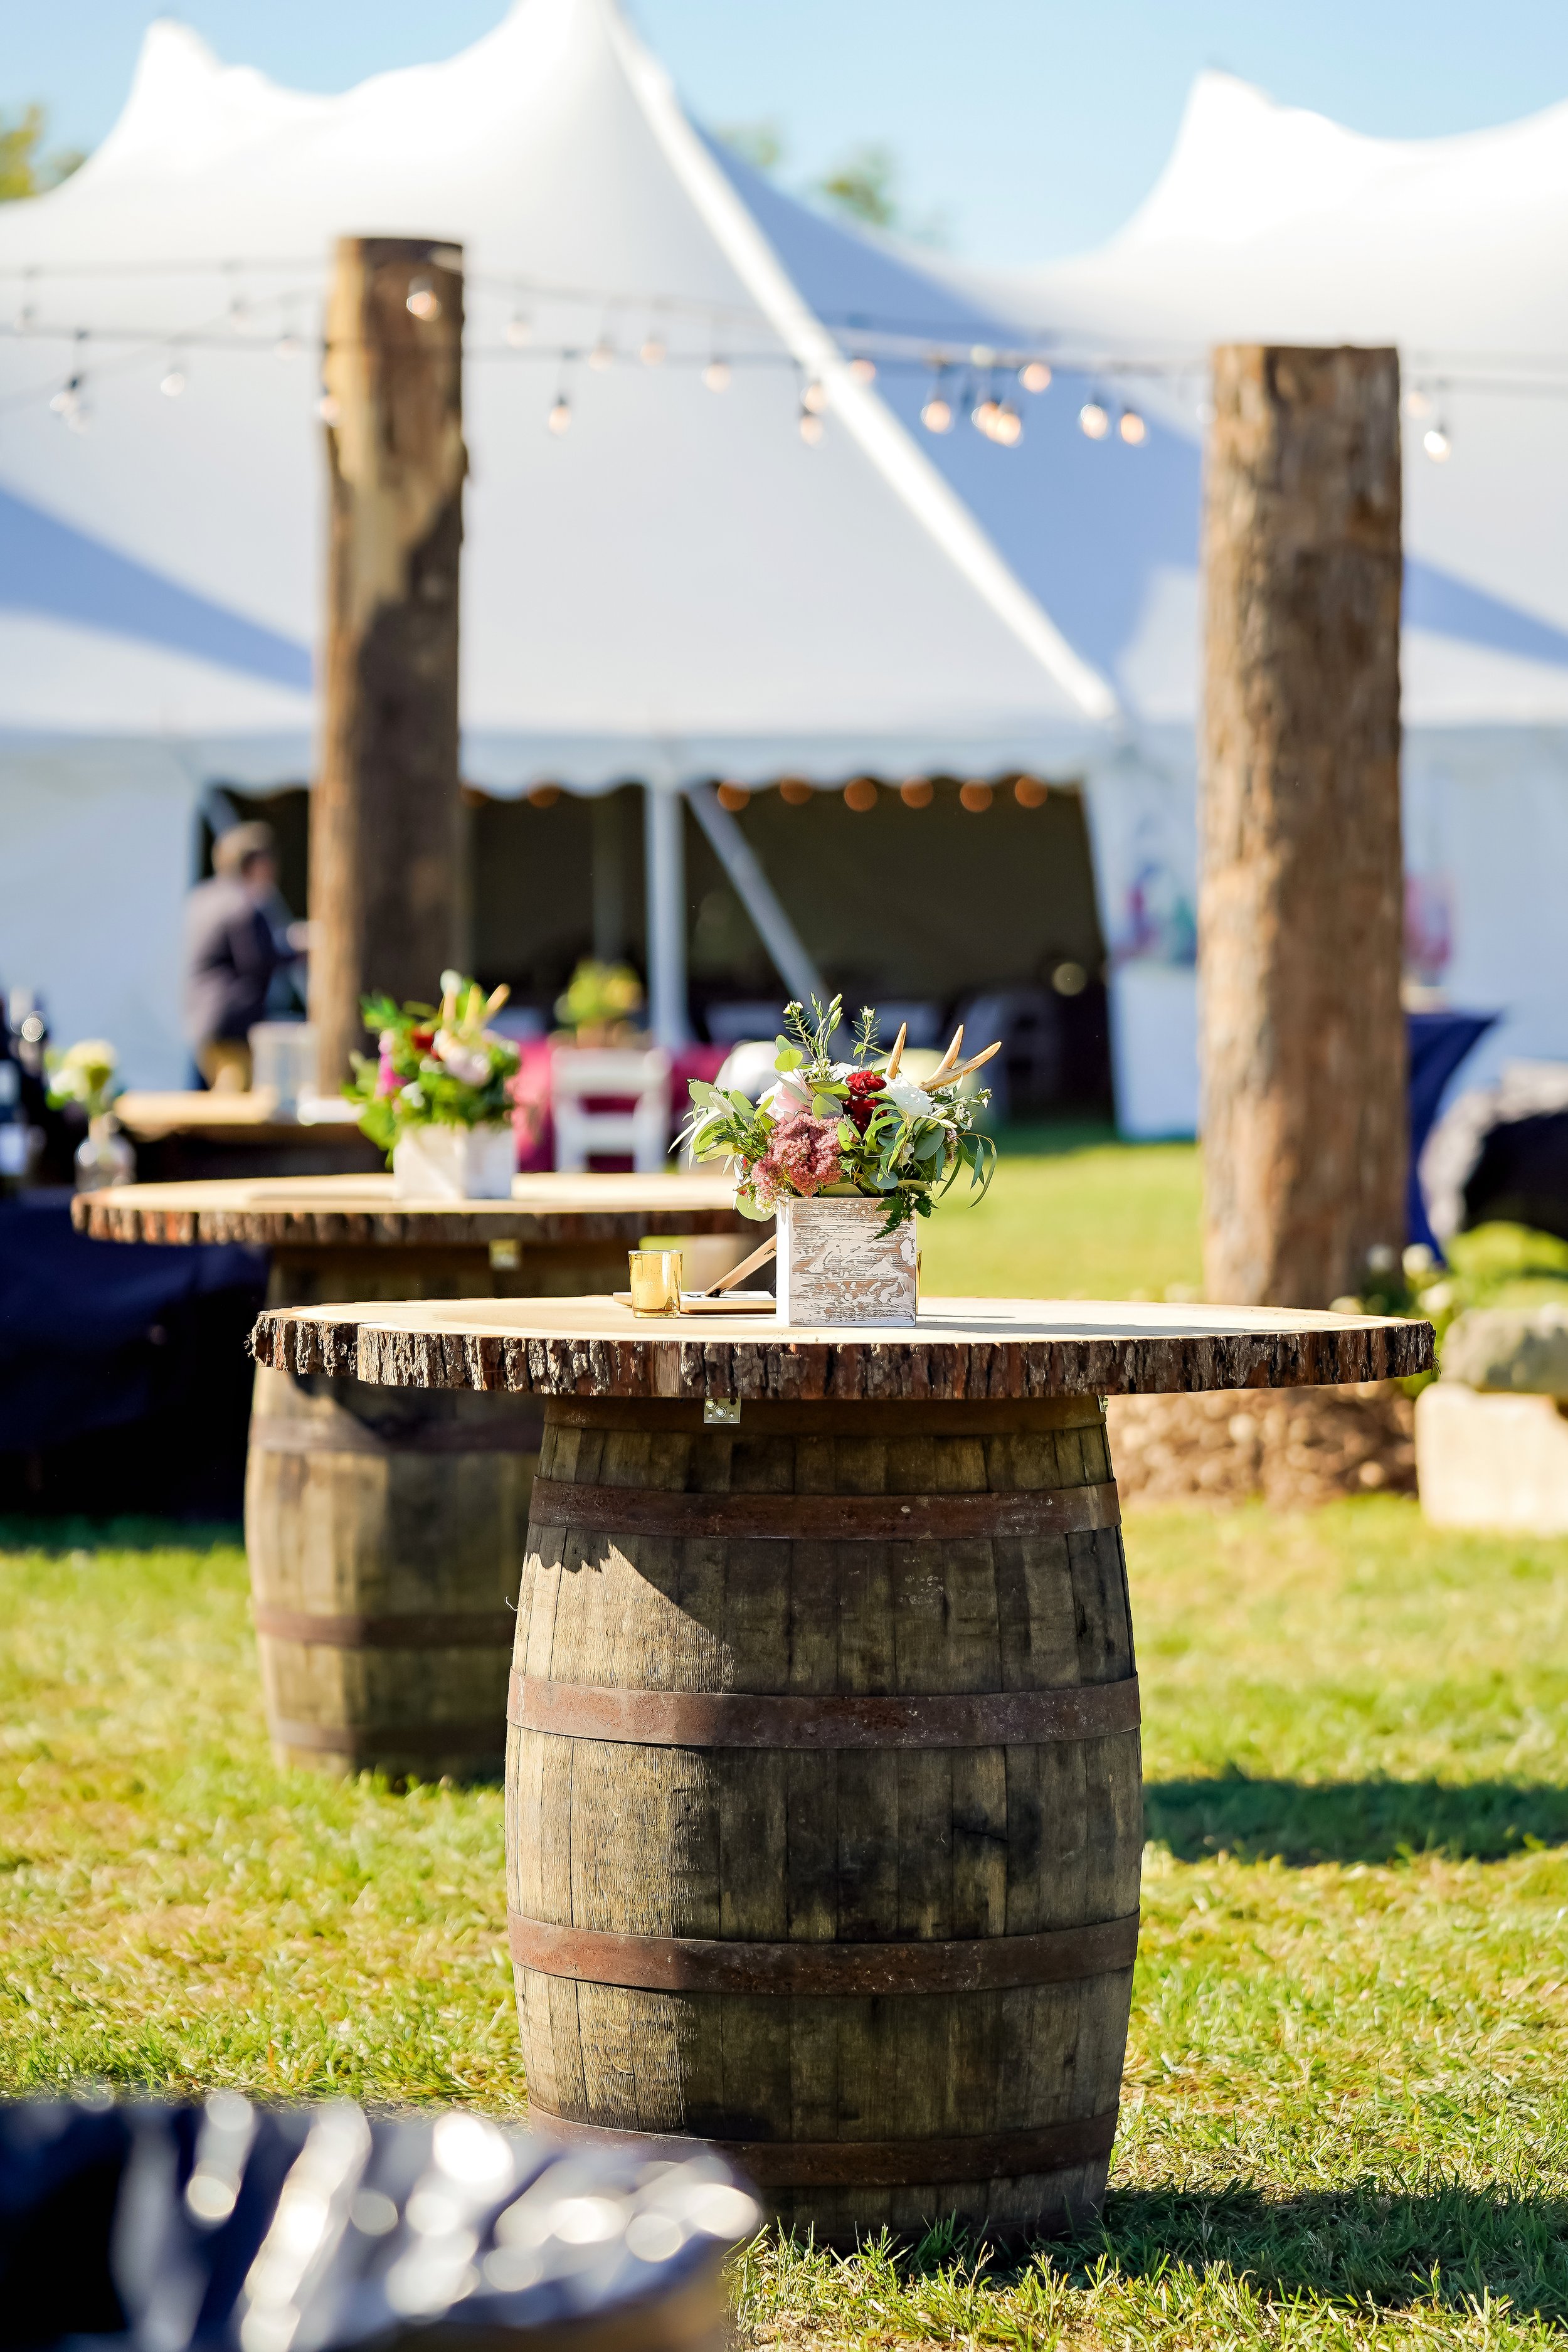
[(826, 1518), (367, 1740), (869, 2163), (342, 1433), (475, 1629), (688, 1963), (740, 1719)]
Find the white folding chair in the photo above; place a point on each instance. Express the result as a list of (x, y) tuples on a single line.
[(580, 1075)]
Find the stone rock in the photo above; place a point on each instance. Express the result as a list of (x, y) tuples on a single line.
[(1521, 1351)]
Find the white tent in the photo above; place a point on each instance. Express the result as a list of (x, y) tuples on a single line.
[(680, 587), (1270, 224)]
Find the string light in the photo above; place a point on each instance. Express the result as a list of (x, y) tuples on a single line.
[(174, 383), (1417, 404), (985, 412), (1094, 420), (1007, 426), (422, 302), (734, 797), (1133, 429), (287, 347), (519, 331), (1034, 376), (66, 402), (327, 407), (861, 795), (716, 375), (810, 427), (936, 415), (602, 354), (795, 791), (653, 351), (238, 314), (814, 398), (1436, 443), (974, 796), (915, 792), (863, 368), (560, 417)]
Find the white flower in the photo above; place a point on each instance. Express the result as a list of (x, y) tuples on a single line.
[(785, 1095), (468, 1064), (912, 1100)]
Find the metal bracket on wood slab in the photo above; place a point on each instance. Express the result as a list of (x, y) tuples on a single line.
[(720, 1413)]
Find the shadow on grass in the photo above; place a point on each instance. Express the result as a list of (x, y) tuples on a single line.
[(64, 1535), (1352, 1821), (1361, 2245)]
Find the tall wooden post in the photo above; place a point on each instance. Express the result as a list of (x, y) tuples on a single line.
[(384, 813), (1301, 899)]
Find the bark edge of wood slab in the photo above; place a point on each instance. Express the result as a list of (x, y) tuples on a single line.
[(959, 1348)]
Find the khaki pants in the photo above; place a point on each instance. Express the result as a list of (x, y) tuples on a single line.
[(224, 1062)]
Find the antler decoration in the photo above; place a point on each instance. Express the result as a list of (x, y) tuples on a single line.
[(896, 1057)]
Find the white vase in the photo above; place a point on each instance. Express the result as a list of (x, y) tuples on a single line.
[(835, 1265), (454, 1163)]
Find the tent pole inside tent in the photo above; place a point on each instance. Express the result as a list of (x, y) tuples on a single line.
[(664, 813), (756, 894)]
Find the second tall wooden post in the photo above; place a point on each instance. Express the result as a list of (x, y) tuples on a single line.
[(384, 813), (1300, 906)]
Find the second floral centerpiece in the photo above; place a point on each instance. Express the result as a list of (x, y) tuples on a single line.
[(437, 1096), (846, 1155)]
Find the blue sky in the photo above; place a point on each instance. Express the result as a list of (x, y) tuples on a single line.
[(1030, 127)]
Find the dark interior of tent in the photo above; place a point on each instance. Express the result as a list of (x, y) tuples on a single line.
[(936, 905)]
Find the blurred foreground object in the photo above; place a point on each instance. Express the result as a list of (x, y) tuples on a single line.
[(1300, 906), (385, 811), (297, 2230)]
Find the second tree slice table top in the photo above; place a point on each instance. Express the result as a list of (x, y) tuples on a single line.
[(957, 1348), (824, 1804), (360, 1211)]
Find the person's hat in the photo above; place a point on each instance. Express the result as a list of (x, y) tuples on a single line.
[(232, 850)]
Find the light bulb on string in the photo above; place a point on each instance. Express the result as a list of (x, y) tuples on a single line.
[(1007, 426), (654, 349), (716, 375), (1435, 442), (1417, 404), (985, 412), (66, 402), (1094, 420), (287, 347), (172, 382), (811, 426), (519, 330), (936, 413), (1132, 427), (602, 354), (814, 399), (422, 302), (327, 407), (863, 368), (238, 314), (560, 417), (1034, 376)]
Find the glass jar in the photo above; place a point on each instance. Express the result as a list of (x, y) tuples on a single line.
[(103, 1156)]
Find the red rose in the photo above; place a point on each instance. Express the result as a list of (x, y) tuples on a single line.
[(864, 1086)]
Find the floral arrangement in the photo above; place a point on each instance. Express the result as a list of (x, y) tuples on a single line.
[(598, 1003), (84, 1074), (437, 1065), (845, 1127)]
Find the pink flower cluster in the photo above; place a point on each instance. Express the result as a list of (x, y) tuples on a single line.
[(803, 1155)]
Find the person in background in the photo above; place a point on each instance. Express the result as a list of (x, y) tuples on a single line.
[(231, 954)]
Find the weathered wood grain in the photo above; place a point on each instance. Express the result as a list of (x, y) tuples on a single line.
[(961, 1350), (782, 1871)]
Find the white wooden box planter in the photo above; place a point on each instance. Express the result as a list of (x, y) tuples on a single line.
[(454, 1163), (835, 1265)]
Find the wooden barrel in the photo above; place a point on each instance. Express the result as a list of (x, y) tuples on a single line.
[(823, 1803), (384, 1529)]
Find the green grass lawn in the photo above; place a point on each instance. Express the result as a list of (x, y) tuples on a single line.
[(1346, 2118), (1072, 1215)]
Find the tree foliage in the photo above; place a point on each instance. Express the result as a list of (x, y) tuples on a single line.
[(25, 169)]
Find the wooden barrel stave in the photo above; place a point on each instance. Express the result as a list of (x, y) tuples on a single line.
[(384, 1530), (845, 1846)]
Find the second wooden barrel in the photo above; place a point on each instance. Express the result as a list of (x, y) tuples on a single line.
[(384, 1528), (824, 1800)]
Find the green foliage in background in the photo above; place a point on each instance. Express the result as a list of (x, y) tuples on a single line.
[(25, 169)]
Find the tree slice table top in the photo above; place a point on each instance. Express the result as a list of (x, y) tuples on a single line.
[(338, 1211), (977, 1348)]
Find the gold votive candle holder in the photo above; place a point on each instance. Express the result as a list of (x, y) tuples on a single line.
[(654, 1281)]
